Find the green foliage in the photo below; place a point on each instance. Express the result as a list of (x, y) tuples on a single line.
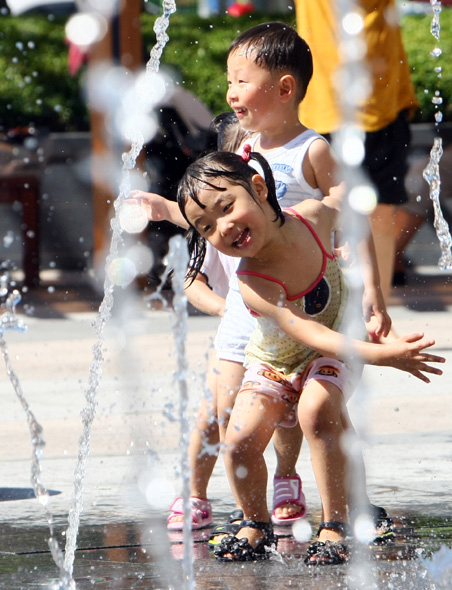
[(419, 42), (35, 85), (197, 49)]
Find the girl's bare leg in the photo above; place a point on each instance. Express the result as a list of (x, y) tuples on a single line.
[(321, 410), (251, 428)]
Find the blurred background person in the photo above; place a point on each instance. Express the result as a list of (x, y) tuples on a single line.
[(384, 115)]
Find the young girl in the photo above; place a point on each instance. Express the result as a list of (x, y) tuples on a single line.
[(299, 354)]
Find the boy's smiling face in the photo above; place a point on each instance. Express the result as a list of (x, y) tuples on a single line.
[(253, 91)]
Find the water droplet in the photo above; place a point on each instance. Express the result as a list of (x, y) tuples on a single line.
[(132, 218), (302, 531), (438, 117), (352, 23)]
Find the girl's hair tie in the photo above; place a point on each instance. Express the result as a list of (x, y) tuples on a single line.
[(246, 156)]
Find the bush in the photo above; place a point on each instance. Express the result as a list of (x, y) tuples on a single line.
[(36, 85), (418, 44)]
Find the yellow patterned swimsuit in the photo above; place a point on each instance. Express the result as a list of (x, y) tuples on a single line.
[(324, 300)]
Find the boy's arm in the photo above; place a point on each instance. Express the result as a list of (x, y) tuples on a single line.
[(203, 298), (403, 353), (373, 302), (319, 169), (158, 208)]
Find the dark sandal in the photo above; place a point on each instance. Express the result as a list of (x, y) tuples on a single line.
[(384, 525), (231, 548), (236, 515), (329, 552), (384, 531), (230, 527)]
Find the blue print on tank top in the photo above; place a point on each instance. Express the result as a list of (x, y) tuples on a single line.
[(282, 168), (281, 186), (281, 189)]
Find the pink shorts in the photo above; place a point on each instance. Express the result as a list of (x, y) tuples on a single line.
[(265, 380)]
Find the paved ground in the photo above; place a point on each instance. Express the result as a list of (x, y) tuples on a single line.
[(133, 470)]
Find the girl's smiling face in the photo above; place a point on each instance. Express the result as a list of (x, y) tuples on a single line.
[(231, 220), (253, 91)]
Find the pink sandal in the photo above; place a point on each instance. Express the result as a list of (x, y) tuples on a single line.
[(201, 514), (287, 490)]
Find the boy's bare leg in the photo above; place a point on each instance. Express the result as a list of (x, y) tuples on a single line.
[(203, 450), (204, 442), (287, 443)]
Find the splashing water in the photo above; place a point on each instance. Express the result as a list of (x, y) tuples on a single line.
[(10, 321), (431, 173), (177, 260), (105, 309), (439, 568), (432, 176)]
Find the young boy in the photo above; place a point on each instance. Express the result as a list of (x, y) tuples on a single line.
[(269, 69)]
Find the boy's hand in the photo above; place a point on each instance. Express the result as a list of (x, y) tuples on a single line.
[(375, 307), (406, 354)]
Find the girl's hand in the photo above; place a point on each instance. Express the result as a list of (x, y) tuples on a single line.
[(406, 354), (155, 205), (158, 208)]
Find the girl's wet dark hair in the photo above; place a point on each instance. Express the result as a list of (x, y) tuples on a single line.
[(230, 135), (277, 46), (205, 172)]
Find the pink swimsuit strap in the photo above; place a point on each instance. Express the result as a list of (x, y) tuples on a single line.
[(325, 254)]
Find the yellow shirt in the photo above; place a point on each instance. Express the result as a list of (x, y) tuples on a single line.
[(392, 90)]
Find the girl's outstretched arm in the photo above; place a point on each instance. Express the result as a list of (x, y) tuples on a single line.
[(405, 354), (158, 208)]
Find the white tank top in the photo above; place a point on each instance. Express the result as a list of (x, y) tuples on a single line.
[(286, 163)]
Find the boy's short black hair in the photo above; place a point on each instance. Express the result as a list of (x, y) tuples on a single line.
[(277, 46)]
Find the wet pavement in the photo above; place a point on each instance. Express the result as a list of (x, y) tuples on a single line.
[(133, 471)]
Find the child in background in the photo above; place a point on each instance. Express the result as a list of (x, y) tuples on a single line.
[(300, 354), (269, 69)]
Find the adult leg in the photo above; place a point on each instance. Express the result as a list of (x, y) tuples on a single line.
[(406, 226)]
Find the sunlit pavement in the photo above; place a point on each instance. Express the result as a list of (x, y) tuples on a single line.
[(133, 470)]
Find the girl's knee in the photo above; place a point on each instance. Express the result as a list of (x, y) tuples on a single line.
[(239, 449), (320, 413)]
